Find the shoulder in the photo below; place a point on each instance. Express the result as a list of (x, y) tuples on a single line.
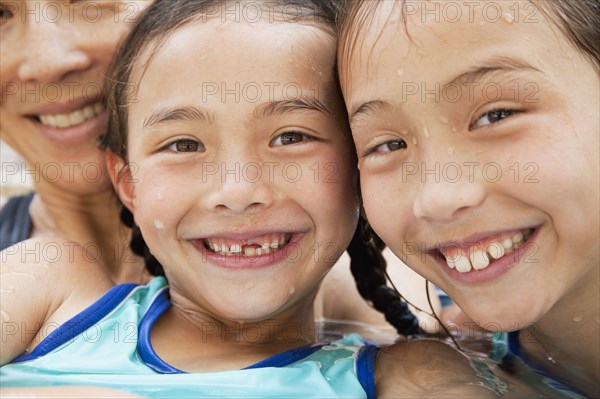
[(426, 368), (53, 258), (45, 280)]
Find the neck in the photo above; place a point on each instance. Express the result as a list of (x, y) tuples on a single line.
[(565, 340), (197, 341), (92, 221)]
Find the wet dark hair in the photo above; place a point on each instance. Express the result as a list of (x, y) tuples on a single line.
[(578, 20), (157, 22)]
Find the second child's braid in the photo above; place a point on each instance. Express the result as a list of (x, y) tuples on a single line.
[(368, 268), (138, 245)]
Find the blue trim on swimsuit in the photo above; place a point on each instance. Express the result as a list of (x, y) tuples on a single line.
[(149, 356), (157, 308), (365, 369), (515, 347), (365, 358), (286, 358), (79, 323)]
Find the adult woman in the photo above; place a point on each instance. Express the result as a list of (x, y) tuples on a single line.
[(53, 59)]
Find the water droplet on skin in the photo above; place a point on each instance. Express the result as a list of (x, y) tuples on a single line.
[(159, 225), (508, 18), (414, 140), (577, 319), (400, 71), (292, 290), (4, 315), (450, 151), (426, 132)]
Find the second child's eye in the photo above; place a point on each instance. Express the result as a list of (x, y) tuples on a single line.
[(492, 117), (389, 146), (288, 138), (185, 145)]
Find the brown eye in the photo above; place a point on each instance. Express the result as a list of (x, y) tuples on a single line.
[(288, 138), (186, 145), (390, 146), (492, 117)]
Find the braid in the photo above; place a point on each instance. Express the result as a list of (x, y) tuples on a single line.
[(138, 245), (368, 268)]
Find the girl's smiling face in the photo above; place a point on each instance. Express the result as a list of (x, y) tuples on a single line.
[(478, 142), (242, 164)]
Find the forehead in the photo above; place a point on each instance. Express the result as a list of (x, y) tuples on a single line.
[(414, 40), (216, 50)]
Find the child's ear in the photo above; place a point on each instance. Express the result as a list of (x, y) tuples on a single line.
[(122, 179)]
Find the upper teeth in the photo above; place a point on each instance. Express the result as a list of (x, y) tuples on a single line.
[(478, 257), (73, 118), (268, 245)]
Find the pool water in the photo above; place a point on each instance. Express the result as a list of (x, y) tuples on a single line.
[(500, 371)]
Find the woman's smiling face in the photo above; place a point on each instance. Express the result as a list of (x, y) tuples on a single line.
[(478, 144)]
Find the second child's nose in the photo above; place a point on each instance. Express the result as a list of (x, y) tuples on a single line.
[(441, 200)]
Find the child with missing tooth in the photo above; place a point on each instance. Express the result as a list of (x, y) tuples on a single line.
[(243, 256), (506, 103)]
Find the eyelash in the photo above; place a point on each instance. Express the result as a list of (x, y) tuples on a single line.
[(305, 138), (400, 144), (505, 113), (172, 146), (6, 14)]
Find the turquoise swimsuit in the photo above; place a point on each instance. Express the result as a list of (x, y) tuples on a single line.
[(108, 345)]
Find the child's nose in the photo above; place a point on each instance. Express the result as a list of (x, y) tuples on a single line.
[(239, 191), (50, 53), (442, 200)]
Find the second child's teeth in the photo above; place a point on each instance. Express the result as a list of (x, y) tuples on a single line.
[(73, 118), (478, 258)]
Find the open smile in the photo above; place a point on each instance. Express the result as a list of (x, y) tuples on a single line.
[(70, 119), (256, 246), (484, 258)]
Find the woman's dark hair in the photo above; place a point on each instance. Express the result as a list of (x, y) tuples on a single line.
[(154, 26)]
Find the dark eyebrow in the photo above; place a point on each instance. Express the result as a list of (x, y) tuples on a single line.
[(301, 103), (369, 107), (177, 114), (494, 65)]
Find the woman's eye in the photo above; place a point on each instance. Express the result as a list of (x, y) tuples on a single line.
[(492, 117), (185, 145), (288, 138), (5, 14), (389, 146)]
